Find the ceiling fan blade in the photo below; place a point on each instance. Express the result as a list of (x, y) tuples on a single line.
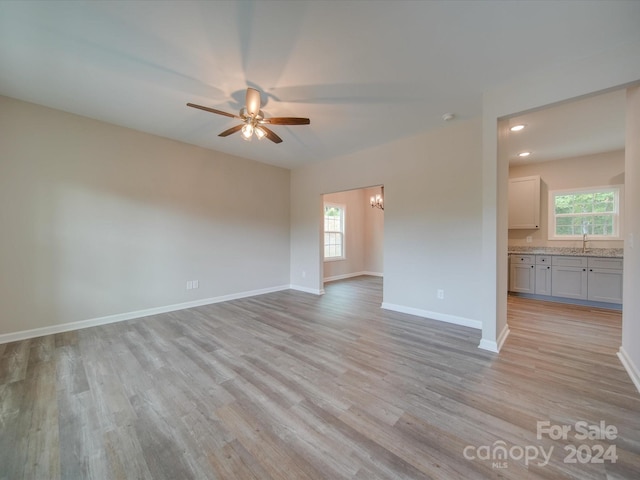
[(231, 130), (253, 101), (270, 134), (287, 121), (212, 110)]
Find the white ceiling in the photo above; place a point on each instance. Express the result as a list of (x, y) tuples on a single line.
[(366, 73), (586, 126)]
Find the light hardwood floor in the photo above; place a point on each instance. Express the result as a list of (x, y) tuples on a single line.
[(294, 386)]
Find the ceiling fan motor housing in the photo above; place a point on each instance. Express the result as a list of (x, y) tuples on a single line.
[(258, 117)]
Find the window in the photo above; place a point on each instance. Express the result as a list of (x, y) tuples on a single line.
[(594, 211), (333, 232)]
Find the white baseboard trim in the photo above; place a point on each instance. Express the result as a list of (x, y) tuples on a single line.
[(492, 346), (373, 274), (630, 367), (503, 336), (351, 275), (300, 288), (442, 317), (488, 345), (120, 317)]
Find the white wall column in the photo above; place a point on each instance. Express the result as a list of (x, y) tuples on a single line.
[(630, 350)]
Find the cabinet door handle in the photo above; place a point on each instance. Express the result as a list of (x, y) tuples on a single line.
[(591, 269), (532, 266), (584, 269), (548, 267)]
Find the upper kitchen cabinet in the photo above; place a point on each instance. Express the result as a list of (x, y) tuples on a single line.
[(524, 202)]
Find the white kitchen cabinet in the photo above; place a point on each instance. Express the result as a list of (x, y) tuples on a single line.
[(592, 279), (543, 274), (524, 202), (605, 280), (522, 274), (569, 278)]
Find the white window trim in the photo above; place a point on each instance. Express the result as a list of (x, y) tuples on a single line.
[(551, 215), (343, 233)]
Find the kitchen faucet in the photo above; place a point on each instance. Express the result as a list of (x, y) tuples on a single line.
[(584, 242)]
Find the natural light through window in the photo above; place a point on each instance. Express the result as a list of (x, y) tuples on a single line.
[(594, 212), (334, 232)]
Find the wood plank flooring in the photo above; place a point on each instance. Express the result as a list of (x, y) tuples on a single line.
[(294, 386)]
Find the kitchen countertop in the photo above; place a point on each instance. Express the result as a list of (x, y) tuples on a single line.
[(577, 252)]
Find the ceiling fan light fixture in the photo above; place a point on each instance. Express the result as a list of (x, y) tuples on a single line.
[(260, 133), (247, 131)]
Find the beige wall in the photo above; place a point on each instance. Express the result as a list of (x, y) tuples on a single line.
[(374, 239), (363, 235), (588, 171), (432, 218), (98, 220)]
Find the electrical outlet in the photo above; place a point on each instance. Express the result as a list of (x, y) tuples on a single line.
[(304, 274), (189, 284), (440, 294), (195, 284), (529, 239)]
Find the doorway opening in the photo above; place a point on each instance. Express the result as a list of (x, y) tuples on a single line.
[(353, 234), (588, 157)]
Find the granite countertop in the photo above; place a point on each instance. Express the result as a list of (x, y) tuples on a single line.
[(591, 252)]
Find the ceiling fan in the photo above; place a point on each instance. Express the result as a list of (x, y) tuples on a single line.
[(253, 119)]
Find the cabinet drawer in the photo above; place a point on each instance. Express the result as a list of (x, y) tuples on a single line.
[(523, 259), (569, 261), (543, 259), (596, 262)]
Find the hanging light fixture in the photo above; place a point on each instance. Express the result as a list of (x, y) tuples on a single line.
[(260, 133), (247, 131), (250, 128), (378, 200)]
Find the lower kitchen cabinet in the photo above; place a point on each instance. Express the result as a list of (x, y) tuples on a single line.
[(522, 274), (605, 285), (591, 279), (543, 280), (605, 280), (569, 282)]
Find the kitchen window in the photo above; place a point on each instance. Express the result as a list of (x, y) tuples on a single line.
[(334, 232), (595, 212)]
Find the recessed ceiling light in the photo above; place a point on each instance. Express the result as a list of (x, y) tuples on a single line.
[(516, 128), (448, 116), (524, 154)]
